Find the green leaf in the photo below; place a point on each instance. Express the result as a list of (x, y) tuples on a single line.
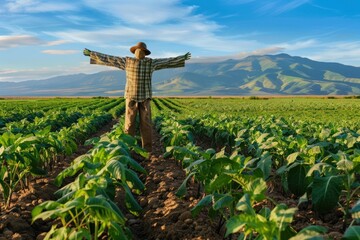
[(58, 234), (92, 141), (282, 215), (204, 202), (288, 232), (131, 204), (115, 168), (302, 141), (80, 233), (134, 181), (69, 189), (37, 171), (100, 207), (235, 224), (351, 140), (297, 182), (265, 165), (223, 202), (345, 165), (292, 157), (195, 163), (119, 232), (256, 189), (48, 205), (326, 192), (128, 139), (77, 165), (317, 168), (352, 233), (256, 223), (5, 189), (355, 211), (27, 140), (182, 189), (142, 152), (245, 206), (265, 212), (219, 182), (78, 202), (262, 137), (281, 170), (314, 150), (132, 163), (310, 233), (51, 214), (325, 133)]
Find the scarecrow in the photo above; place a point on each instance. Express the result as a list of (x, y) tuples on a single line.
[(138, 92)]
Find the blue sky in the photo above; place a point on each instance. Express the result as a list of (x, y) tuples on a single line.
[(40, 39)]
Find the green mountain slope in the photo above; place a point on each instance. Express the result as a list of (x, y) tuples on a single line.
[(254, 75)]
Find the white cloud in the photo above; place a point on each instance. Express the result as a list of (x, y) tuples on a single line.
[(292, 46), (273, 7), (76, 19), (60, 52), (57, 42), (18, 40), (13, 41), (37, 6), (290, 5), (210, 59), (201, 35), (142, 11), (16, 75), (98, 36), (344, 52)]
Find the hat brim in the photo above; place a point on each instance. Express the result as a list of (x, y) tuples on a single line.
[(133, 49)]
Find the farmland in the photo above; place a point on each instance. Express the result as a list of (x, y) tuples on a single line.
[(275, 168)]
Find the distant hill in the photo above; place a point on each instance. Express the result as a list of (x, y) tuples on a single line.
[(280, 74)]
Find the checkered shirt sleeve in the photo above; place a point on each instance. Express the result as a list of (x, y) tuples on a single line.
[(108, 60), (174, 62)]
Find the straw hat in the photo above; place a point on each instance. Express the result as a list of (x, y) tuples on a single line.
[(142, 46)]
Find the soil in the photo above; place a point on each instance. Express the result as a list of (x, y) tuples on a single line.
[(164, 215)]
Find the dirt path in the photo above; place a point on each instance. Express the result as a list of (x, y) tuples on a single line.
[(165, 216)]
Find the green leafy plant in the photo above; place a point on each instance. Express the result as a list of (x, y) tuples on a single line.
[(17, 162), (267, 224), (84, 212)]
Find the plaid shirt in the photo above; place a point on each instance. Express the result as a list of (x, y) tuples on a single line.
[(138, 71)]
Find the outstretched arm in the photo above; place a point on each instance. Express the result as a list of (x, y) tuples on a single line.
[(175, 62), (104, 59)]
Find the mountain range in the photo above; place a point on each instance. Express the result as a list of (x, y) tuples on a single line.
[(279, 74)]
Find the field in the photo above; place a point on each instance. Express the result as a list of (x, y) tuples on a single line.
[(222, 168)]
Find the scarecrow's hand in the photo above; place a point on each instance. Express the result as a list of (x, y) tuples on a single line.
[(187, 56), (87, 52)]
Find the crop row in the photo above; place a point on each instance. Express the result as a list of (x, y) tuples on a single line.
[(316, 163), (341, 111), (86, 207), (12, 111), (23, 156), (30, 148)]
